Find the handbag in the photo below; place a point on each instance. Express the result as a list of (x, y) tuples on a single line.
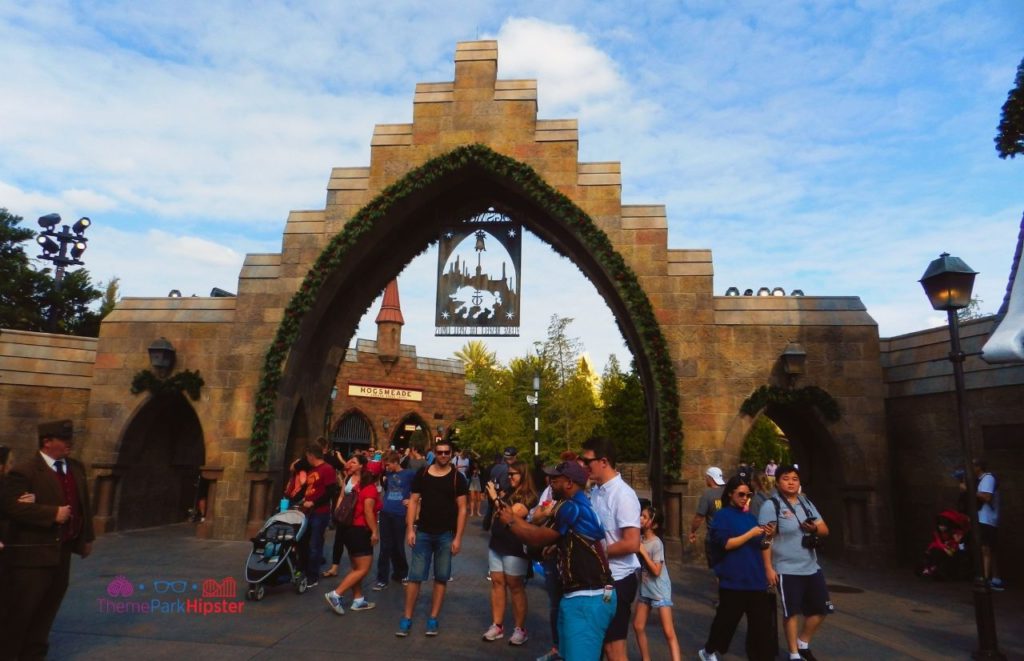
[(346, 509)]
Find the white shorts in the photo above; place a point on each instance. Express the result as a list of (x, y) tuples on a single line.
[(510, 565)]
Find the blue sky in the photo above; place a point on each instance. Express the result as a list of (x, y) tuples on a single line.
[(837, 147)]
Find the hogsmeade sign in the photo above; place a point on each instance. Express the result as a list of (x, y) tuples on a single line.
[(478, 277), (384, 392)]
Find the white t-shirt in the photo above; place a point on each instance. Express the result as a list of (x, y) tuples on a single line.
[(618, 507), (989, 512)]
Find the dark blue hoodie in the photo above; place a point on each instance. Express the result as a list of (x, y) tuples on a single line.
[(741, 568)]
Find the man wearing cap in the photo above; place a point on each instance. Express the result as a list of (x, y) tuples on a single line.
[(709, 503), (618, 507), (43, 535), (588, 600)]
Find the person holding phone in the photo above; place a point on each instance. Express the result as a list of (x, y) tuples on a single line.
[(791, 561)]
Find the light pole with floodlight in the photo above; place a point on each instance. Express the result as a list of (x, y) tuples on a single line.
[(55, 249)]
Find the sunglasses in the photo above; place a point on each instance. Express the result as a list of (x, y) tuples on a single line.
[(588, 461), (742, 494), (443, 453)]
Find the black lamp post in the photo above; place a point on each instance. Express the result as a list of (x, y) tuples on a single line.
[(948, 282), (55, 249), (534, 401), (329, 414)]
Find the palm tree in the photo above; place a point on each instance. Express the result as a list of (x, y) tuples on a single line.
[(475, 357)]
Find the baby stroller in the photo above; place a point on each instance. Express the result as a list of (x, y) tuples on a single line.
[(274, 556), (946, 554)]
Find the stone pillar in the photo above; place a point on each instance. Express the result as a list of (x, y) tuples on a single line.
[(674, 526), (105, 482), (204, 529), (260, 489)]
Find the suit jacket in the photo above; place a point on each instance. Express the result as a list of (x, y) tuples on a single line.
[(33, 538)]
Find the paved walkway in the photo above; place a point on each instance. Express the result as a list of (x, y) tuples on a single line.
[(881, 615)]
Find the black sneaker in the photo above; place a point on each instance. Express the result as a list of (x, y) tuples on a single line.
[(807, 655)]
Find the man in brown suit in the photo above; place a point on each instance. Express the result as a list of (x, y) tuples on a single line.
[(42, 536)]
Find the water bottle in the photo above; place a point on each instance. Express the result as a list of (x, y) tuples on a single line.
[(284, 505)]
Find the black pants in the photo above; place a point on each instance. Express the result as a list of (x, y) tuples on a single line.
[(733, 605), (33, 596)]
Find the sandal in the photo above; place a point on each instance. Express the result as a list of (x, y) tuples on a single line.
[(329, 573)]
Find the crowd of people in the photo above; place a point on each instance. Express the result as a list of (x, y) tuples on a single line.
[(588, 533)]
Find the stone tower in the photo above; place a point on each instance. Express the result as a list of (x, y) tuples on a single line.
[(389, 327)]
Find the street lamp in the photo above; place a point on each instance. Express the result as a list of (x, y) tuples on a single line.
[(534, 401), (330, 410), (161, 357), (948, 282), (55, 247), (794, 360)]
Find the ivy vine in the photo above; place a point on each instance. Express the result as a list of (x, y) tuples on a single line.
[(806, 397), (187, 381), (559, 207)]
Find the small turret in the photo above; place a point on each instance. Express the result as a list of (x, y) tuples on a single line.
[(389, 327)]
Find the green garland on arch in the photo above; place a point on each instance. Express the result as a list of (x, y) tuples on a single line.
[(558, 206), (806, 397), (188, 382)]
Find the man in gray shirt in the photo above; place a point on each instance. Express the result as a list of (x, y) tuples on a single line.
[(709, 503)]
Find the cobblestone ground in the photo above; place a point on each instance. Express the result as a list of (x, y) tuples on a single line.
[(882, 615)]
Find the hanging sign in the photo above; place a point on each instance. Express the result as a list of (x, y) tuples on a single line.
[(478, 277), (384, 392)]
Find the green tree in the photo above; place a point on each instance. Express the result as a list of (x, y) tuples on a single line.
[(475, 356), (111, 295), (1010, 134), (495, 420), (21, 297), (28, 295), (764, 441), (624, 413)]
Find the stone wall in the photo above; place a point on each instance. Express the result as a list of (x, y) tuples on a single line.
[(42, 377), (922, 423)]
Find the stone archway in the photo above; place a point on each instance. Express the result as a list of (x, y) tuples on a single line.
[(412, 428), (353, 431), (159, 459), (404, 220)]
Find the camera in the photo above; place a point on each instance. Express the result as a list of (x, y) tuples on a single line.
[(810, 541)]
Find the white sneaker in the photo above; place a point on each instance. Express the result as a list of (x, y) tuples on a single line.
[(362, 605), (704, 656), (518, 637), (494, 632), (334, 601)]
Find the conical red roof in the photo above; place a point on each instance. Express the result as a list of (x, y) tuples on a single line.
[(390, 308)]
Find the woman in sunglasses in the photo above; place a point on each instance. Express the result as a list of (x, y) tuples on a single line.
[(736, 540), (507, 558)]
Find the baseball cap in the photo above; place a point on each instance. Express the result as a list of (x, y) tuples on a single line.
[(511, 451), (569, 469), (715, 473)]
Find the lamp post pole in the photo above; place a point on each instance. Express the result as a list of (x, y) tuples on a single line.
[(536, 414), (948, 282)]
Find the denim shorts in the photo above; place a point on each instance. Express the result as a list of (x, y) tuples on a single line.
[(510, 565), (437, 546), (661, 603)]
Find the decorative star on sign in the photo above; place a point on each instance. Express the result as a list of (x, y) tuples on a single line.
[(448, 235), (512, 233), (444, 315), (509, 315)]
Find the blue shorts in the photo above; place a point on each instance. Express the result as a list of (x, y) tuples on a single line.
[(661, 603), (582, 622), (431, 546), (804, 595)]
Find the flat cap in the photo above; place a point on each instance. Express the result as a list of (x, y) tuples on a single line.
[(62, 429)]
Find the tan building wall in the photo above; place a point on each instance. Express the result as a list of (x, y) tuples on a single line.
[(722, 347), (923, 431)]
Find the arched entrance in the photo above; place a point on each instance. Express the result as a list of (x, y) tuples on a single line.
[(412, 430), (353, 432), (161, 452), (405, 219)]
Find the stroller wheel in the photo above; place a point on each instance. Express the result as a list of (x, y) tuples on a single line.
[(301, 584), (259, 592)]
